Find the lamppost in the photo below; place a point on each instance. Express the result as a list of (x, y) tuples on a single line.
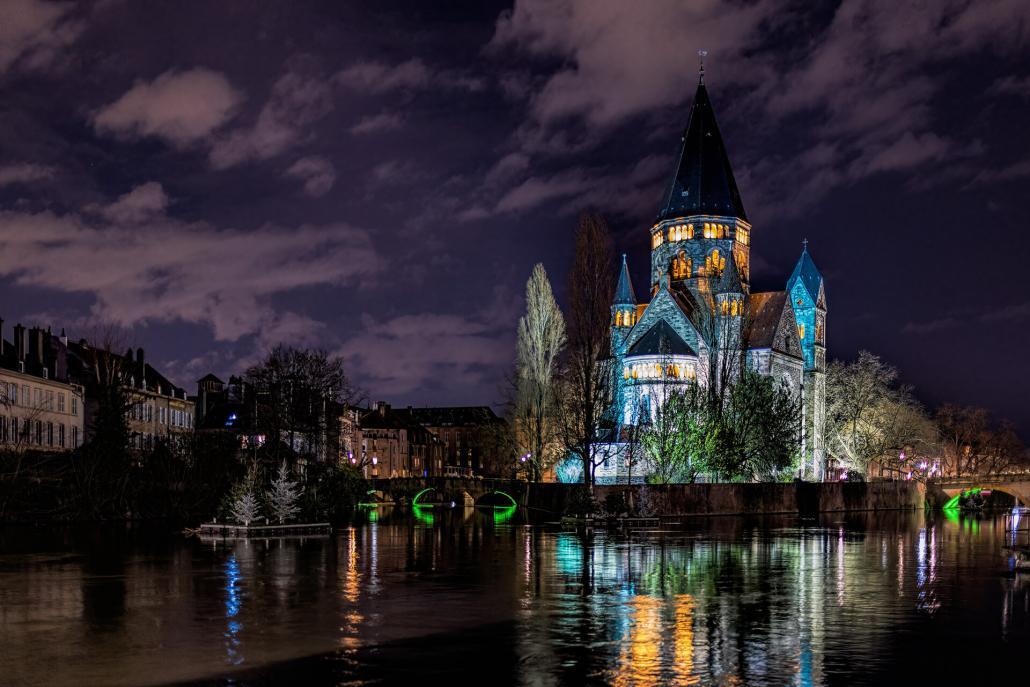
[(375, 467)]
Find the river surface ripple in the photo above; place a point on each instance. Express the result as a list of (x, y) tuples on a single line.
[(481, 598)]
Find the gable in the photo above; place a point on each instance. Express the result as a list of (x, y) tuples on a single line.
[(664, 307)]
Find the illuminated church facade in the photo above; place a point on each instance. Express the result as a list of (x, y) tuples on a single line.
[(702, 321)]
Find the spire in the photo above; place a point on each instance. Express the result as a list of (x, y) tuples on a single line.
[(806, 271), (624, 290), (704, 182)]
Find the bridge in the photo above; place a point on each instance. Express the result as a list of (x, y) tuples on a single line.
[(427, 491), (1015, 484)]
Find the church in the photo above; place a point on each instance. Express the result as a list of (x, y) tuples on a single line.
[(701, 321)]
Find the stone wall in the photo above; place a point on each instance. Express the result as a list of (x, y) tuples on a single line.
[(802, 498), (748, 499)]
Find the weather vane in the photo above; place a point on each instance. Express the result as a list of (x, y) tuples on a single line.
[(701, 54)]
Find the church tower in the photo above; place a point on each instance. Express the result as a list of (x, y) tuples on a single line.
[(808, 297), (701, 229)]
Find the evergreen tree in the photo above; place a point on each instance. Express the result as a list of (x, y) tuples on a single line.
[(283, 496), (245, 508)]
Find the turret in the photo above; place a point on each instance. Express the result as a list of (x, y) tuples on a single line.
[(808, 297), (624, 307)]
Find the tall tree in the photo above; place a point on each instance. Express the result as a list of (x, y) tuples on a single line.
[(588, 383), (541, 338), (869, 415)]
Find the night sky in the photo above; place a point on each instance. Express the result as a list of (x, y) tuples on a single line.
[(379, 178)]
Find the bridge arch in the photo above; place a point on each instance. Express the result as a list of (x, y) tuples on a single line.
[(497, 499), (1018, 488), (416, 500)]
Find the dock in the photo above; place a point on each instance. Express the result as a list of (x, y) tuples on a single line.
[(218, 530)]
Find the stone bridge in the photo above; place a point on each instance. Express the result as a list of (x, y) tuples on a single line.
[(459, 490), (1017, 485)]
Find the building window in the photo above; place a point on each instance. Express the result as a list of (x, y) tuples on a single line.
[(50, 434), (75, 405), (60, 402), (3, 428), (49, 399), (801, 331), (75, 436), (39, 431), (26, 399), (14, 394), (60, 435)]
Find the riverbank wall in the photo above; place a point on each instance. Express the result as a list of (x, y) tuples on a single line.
[(801, 498)]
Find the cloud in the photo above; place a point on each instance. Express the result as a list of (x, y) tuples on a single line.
[(142, 202), (376, 78), (621, 59), (1017, 170), (317, 172), (24, 173), (34, 33), (384, 121), (299, 98), (163, 270), (1011, 85), (464, 351), (180, 107)]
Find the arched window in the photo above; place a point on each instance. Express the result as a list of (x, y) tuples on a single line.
[(690, 231), (801, 331), (618, 318)]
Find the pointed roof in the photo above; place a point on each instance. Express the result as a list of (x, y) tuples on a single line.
[(704, 183), (808, 273), (661, 339), (624, 294), (729, 280)]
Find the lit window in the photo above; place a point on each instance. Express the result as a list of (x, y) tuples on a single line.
[(801, 330), (625, 373)]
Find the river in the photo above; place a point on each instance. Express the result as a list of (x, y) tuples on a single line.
[(478, 597)]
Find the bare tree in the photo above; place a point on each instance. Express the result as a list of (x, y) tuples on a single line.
[(297, 387), (869, 416), (587, 382), (974, 443), (540, 340)]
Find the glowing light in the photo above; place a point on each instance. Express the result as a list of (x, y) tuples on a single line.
[(424, 514), (415, 501)]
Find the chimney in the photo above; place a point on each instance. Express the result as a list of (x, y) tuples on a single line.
[(20, 342), (64, 337), (36, 342), (141, 368)]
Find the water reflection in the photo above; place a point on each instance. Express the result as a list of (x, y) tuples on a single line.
[(399, 599), (232, 609)]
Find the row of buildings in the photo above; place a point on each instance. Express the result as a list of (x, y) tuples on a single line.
[(47, 404)]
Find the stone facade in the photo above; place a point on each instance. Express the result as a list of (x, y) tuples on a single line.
[(702, 315)]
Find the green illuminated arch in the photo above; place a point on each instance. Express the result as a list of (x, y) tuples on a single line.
[(953, 502), (423, 514), (503, 514), (414, 501)]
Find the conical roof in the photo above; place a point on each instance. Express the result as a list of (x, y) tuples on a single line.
[(808, 273), (704, 183), (624, 290)]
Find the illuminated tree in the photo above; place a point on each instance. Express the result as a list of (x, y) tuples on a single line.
[(541, 336), (869, 416), (284, 495), (245, 508)]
